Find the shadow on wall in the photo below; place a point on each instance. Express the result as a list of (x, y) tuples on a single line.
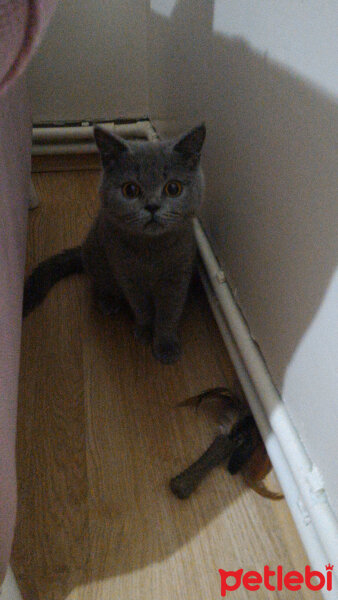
[(179, 53), (271, 168), (271, 214), (271, 210), (270, 159)]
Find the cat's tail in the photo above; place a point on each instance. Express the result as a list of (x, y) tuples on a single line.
[(47, 274)]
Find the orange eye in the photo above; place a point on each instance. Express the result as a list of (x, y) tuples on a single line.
[(173, 189), (131, 190)]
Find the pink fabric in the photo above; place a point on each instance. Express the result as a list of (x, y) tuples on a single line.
[(15, 134), (21, 26)]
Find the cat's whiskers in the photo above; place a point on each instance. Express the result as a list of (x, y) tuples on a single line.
[(134, 218), (172, 217)]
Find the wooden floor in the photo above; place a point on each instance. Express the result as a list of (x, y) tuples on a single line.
[(100, 435)]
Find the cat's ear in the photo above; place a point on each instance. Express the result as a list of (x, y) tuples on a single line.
[(190, 145), (110, 145)]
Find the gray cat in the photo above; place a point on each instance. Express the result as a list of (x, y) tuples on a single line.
[(141, 247)]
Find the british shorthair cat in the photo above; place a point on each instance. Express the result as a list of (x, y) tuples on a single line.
[(141, 246)]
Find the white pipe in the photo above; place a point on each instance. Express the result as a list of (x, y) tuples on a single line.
[(306, 477), (45, 135)]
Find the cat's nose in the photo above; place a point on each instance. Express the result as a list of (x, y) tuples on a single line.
[(152, 208)]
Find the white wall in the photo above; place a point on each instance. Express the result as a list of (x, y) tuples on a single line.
[(179, 43), (92, 64), (299, 35), (263, 75)]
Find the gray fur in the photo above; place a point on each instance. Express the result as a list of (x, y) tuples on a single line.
[(143, 257)]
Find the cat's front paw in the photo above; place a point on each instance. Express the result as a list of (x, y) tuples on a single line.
[(167, 350)]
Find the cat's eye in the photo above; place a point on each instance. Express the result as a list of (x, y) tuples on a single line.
[(173, 189), (131, 190)]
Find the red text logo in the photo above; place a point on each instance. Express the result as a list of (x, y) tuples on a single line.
[(275, 580)]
